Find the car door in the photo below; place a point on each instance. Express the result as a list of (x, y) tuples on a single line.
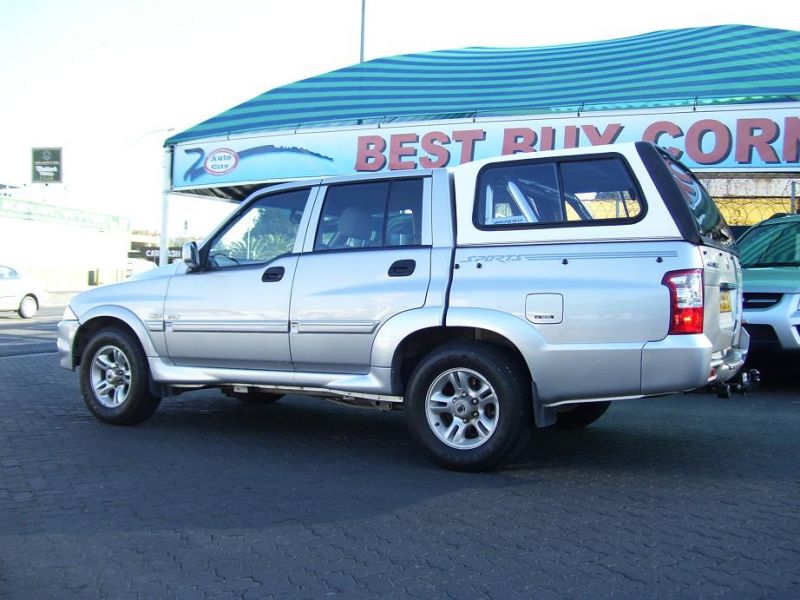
[(367, 259), (234, 310)]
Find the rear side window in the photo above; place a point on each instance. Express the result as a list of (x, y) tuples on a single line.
[(596, 190), (710, 222), (375, 214)]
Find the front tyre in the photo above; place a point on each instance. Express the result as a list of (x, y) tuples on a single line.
[(114, 378), (468, 406)]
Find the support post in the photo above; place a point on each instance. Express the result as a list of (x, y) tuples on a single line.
[(163, 254), (363, 14)]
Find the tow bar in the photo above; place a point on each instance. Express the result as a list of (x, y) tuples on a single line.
[(745, 381)]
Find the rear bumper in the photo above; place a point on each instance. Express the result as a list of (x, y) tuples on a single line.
[(728, 363), (686, 362)]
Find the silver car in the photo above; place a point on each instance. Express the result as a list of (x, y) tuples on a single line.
[(483, 299), (771, 267)]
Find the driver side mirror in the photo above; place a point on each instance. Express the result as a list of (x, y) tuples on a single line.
[(190, 255)]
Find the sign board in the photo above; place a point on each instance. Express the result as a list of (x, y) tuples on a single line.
[(733, 139), (152, 253), (46, 165)]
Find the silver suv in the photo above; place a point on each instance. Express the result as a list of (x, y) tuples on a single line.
[(483, 299), (771, 268)]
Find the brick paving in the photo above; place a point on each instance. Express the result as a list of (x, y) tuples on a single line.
[(686, 496)]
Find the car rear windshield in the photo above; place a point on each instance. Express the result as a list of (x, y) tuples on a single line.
[(771, 245), (710, 222)]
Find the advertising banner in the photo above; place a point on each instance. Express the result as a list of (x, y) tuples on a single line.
[(744, 138), (46, 165)]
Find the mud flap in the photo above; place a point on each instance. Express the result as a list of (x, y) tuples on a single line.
[(543, 416)]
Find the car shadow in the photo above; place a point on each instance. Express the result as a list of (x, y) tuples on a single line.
[(350, 437)]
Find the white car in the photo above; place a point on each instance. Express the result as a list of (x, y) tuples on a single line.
[(20, 293)]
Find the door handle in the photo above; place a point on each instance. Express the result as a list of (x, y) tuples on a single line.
[(273, 274), (402, 268)]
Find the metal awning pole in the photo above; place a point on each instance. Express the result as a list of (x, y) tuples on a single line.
[(163, 253), (363, 13)]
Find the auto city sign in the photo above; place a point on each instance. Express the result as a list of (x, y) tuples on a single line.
[(221, 161)]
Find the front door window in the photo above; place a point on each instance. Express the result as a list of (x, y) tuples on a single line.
[(266, 230)]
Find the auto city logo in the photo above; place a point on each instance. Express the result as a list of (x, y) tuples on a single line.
[(221, 161)]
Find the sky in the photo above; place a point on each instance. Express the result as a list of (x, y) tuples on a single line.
[(110, 80)]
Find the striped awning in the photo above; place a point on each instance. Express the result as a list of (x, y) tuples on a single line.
[(726, 64)]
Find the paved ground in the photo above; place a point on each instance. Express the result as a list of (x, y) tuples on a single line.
[(29, 336), (680, 497)]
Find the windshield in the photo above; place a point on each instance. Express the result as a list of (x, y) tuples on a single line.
[(710, 222), (771, 245)]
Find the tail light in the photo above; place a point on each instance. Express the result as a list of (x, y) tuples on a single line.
[(686, 301)]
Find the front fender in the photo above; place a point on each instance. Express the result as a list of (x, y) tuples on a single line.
[(127, 317)]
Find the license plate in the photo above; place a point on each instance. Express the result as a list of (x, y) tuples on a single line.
[(725, 301)]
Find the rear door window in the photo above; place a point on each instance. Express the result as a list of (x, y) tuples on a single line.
[(371, 215)]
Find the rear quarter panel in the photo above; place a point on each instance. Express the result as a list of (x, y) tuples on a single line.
[(611, 303)]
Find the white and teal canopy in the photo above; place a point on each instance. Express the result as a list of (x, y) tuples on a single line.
[(726, 64)]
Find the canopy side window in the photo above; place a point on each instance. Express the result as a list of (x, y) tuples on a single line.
[(592, 190)]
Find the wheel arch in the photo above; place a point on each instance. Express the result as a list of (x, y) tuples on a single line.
[(110, 316), (465, 324), (419, 343)]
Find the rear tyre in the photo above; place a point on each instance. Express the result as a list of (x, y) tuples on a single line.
[(578, 416), (28, 307), (115, 380), (468, 406)]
